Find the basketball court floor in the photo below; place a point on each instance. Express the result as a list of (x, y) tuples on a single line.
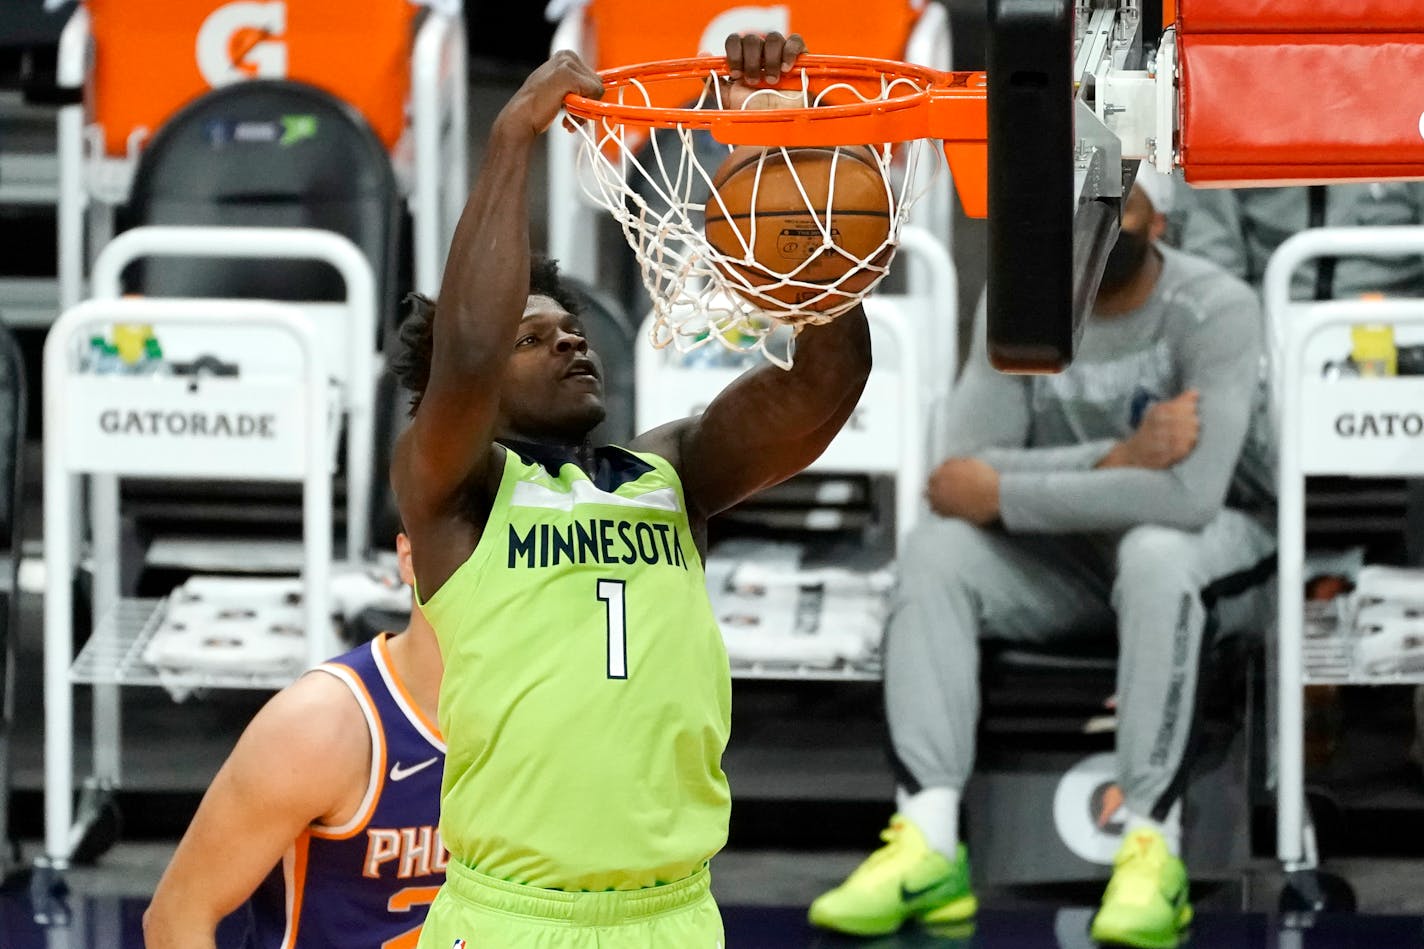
[(115, 922)]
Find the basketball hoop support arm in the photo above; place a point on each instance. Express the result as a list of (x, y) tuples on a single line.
[(1055, 134)]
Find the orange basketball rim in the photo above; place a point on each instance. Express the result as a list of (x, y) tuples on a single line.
[(858, 101), (652, 153)]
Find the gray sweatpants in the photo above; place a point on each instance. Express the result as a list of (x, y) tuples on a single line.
[(960, 583)]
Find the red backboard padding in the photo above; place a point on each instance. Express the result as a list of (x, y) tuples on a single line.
[(1299, 16), (1301, 107)]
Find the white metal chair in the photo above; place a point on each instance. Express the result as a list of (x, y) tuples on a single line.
[(279, 423), (310, 389), (1360, 427), (325, 202)]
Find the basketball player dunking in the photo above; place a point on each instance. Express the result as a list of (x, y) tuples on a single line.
[(586, 691), (324, 817)]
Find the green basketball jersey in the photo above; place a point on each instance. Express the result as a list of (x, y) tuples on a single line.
[(586, 700)]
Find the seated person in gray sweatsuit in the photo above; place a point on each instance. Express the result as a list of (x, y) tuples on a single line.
[(1122, 494)]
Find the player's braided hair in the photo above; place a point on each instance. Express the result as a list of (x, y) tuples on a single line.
[(411, 361)]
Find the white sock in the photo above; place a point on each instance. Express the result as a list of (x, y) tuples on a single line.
[(1170, 829), (935, 811)]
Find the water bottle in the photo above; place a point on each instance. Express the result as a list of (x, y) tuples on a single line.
[(129, 341), (107, 361), (90, 358), (152, 363), (1373, 350)]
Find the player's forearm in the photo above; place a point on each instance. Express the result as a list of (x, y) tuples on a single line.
[(162, 929), (770, 423), (828, 375), (486, 280), (817, 393)]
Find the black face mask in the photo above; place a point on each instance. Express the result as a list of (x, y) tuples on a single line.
[(1124, 260)]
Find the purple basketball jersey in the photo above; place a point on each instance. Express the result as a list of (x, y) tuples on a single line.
[(369, 882)]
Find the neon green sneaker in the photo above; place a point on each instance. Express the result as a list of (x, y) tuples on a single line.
[(902, 880), (1145, 905)]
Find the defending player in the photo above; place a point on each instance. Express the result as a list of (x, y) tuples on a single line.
[(324, 817), (586, 692)]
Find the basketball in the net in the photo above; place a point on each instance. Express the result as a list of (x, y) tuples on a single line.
[(786, 230)]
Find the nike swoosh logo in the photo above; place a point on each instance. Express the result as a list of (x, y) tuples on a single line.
[(907, 895), (400, 774)]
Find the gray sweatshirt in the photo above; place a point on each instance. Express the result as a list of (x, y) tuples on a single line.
[(1201, 328)]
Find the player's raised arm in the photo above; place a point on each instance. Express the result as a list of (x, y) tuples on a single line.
[(448, 446), (770, 423), (295, 765)]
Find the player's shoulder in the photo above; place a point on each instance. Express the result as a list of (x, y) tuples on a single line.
[(317, 719), (650, 461), (411, 476), (304, 752), (1205, 291), (663, 442)]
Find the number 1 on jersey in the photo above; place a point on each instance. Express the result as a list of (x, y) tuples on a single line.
[(611, 593)]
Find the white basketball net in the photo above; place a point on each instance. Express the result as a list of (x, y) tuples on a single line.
[(657, 187)]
